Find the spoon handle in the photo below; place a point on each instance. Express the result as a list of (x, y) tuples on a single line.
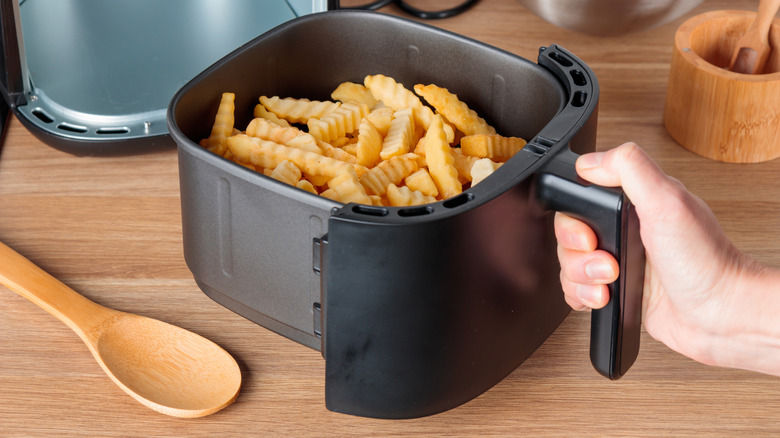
[(28, 280), (767, 9)]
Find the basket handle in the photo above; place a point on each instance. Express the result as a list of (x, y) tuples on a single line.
[(615, 328)]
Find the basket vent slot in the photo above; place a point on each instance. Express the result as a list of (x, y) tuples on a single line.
[(370, 211), (418, 211), (113, 131), (42, 115), (72, 128), (458, 200)]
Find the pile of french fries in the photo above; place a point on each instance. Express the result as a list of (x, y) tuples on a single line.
[(375, 143)]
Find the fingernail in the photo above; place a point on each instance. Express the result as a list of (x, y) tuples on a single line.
[(591, 160), (598, 270), (589, 294)]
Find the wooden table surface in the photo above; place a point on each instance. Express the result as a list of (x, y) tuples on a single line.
[(111, 229)]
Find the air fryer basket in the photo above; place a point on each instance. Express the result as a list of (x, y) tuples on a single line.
[(416, 310)]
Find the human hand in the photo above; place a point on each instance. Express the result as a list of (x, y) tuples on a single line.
[(694, 276)]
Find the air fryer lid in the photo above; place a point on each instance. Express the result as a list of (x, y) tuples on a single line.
[(416, 310)]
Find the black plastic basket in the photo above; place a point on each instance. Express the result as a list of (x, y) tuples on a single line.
[(416, 310)]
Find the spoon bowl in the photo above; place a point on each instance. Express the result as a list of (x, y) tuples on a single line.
[(167, 368), (164, 367)]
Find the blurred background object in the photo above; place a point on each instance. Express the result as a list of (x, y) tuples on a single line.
[(609, 17)]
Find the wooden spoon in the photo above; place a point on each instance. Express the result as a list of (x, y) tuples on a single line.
[(753, 47), (166, 368)]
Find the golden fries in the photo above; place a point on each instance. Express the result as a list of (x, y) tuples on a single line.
[(397, 97), (262, 113), (350, 91), (491, 146), (286, 172), (267, 154), (376, 143), (441, 163), (223, 125), (422, 182), (288, 136), (297, 110), (455, 111), (348, 189), (381, 118), (481, 169), (387, 172), (404, 196), (369, 144), (399, 137), (337, 123)]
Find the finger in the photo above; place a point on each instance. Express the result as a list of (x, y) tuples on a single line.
[(596, 267), (631, 168), (574, 234), (575, 304), (584, 296)]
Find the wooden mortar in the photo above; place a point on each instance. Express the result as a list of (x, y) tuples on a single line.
[(712, 111)]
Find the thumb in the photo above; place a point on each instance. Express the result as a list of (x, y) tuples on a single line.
[(629, 167)]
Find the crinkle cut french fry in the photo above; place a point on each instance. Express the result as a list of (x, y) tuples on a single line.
[(399, 138), (350, 148), (332, 195), (404, 196), (337, 123), (376, 200), (297, 110), (286, 172), (336, 153), (396, 96), (422, 182), (463, 164), (438, 155), (223, 124), (454, 110), (493, 146), (288, 136), (349, 188), (317, 180), (261, 112), (369, 144), (391, 171), (265, 153), (481, 169), (391, 93), (306, 185), (340, 142), (350, 91), (381, 118)]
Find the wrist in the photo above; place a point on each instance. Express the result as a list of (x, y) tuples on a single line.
[(749, 336)]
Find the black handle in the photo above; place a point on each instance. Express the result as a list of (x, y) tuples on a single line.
[(615, 328)]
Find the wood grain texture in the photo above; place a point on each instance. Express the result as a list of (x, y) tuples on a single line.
[(110, 228)]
